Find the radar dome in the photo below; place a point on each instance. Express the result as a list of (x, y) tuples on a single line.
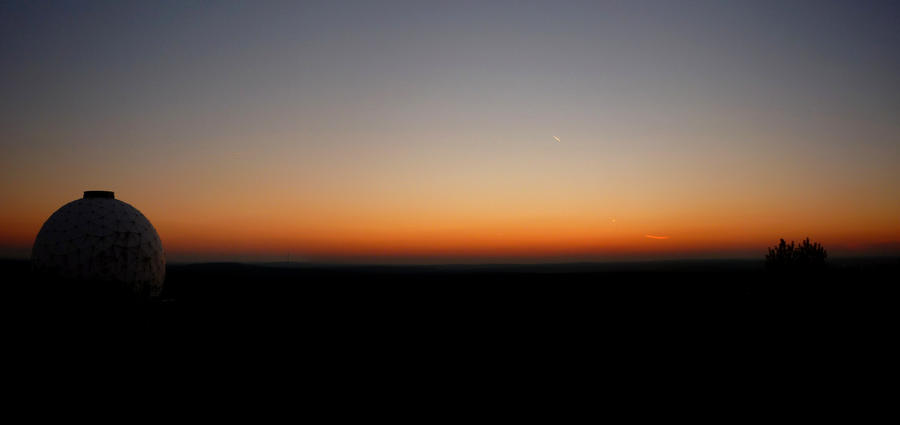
[(101, 240)]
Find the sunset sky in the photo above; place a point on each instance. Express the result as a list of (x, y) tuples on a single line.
[(457, 131)]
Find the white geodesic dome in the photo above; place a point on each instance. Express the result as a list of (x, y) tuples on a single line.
[(101, 239)]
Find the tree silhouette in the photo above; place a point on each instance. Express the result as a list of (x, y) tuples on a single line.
[(806, 256)]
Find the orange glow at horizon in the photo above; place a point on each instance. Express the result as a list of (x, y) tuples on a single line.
[(277, 228)]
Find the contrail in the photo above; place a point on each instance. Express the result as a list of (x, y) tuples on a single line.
[(656, 237)]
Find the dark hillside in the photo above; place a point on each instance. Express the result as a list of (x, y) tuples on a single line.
[(650, 314)]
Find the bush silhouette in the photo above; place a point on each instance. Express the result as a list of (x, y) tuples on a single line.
[(806, 256)]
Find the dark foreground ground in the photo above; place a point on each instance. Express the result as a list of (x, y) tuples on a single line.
[(578, 301), (639, 320)]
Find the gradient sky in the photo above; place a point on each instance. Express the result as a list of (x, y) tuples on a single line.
[(424, 131)]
